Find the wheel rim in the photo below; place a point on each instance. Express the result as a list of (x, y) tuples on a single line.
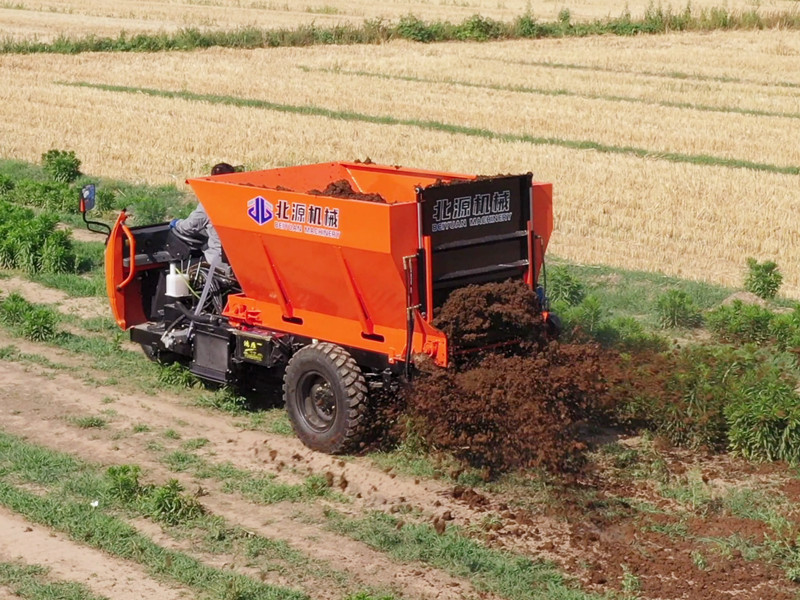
[(317, 401)]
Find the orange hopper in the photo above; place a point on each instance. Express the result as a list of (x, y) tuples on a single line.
[(366, 274)]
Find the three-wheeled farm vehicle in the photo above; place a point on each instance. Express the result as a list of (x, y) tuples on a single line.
[(334, 293)]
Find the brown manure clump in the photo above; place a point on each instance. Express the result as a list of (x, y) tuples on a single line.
[(511, 412), (514, 406), (343, 189), (478, 315)]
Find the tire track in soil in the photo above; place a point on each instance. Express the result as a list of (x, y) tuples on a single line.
[(29, 410), (223, 561), (555, 535), (369, 487), (105, 575)]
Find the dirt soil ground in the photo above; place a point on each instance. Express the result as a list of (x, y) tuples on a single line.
[(104, 575), (591, 524)]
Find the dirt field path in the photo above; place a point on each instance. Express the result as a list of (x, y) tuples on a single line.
[(103, 574), (85, 308), (35, 405)]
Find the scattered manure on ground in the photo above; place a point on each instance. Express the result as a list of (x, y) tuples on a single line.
[(514, 406)]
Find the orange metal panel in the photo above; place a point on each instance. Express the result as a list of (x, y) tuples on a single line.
[(332, 268), (125, 300)]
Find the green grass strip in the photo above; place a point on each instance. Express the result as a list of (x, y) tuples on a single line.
[(499, 572), (656, 74), (87, 525), (563, 93), (91, 526), (260, 488), (29, 581), (373, 31), (317, 111)]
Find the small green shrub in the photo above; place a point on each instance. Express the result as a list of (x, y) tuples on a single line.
[(39, 324), (177, 375), (677, 309), (682, 395), (563, 287), (764, 421), (31, 242), (57, 254), (13, 310), (763, 279), (61, 165), (6, 185), (167, 504), (628, 335), (147, 210), (122, 484), (53, 196), (89, 422), (478, 28), (588, 315), (413, 28), (785, 329), (740, 323)]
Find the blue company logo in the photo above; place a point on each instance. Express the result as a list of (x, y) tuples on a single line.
[(260, 210)]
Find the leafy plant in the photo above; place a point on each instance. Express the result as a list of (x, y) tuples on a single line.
[(61, 165), (479, 28), (413, 28), (57, 254), (785, 329), (39, 324), (177, 375), (741, 323), (148, 210), (167, 503), (682, 395), (123, 484), (588, 314), (564, 287), (764, 421), (13, 309), (89, 422), (53, 196), (677, 309), (763, 279), (31, 242)]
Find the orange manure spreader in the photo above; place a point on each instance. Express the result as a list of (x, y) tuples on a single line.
[(329, 279)]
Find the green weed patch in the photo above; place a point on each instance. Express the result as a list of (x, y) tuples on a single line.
[(656, 20), (31, 582), (79, 509)]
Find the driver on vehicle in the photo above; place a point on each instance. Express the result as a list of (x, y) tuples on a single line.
[(197, 224)]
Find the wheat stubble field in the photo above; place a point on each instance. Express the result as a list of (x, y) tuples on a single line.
[(674, 154)]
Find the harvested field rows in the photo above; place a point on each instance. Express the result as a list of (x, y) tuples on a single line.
[(643, 138), (45, 20)]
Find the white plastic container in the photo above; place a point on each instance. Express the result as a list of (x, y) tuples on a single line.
[(177, 283)]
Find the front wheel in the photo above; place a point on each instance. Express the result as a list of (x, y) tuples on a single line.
[(326, 397)]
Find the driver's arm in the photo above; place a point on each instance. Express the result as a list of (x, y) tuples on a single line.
[(194, 225)]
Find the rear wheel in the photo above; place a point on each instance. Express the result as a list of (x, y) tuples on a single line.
[(326, 397)]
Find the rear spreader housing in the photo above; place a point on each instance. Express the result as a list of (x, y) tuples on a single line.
[(361, 275)]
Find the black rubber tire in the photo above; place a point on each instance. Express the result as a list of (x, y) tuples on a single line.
[(326, 397)]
